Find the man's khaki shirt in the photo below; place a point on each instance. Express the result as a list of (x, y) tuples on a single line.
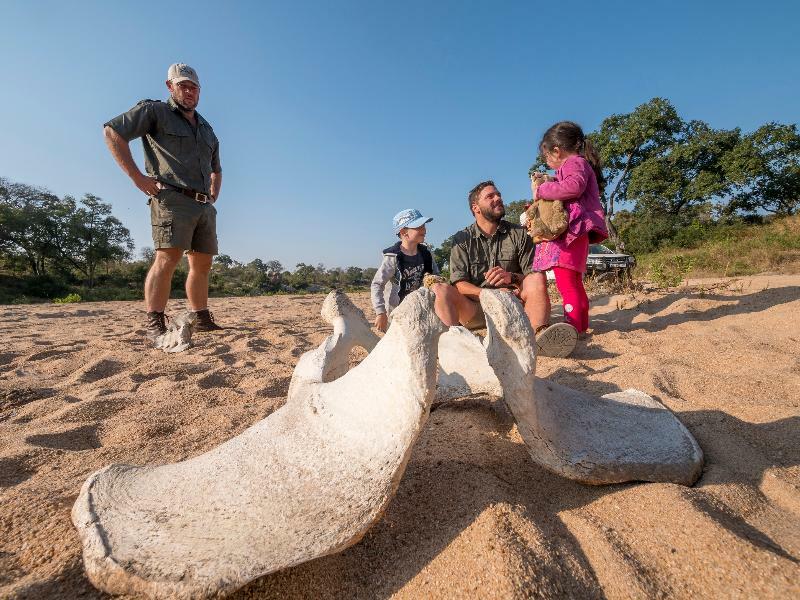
[(473, 252), (174, 151)]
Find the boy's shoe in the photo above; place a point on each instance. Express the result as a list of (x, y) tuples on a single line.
[(556, 340), (155, 325), (205, 321)]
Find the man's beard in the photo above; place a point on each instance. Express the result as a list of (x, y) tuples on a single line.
[(491, 216), (182, 106)]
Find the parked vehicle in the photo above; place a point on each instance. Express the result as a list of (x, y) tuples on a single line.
[(603, 261)]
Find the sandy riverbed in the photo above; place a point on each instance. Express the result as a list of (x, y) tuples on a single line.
[(473, 517)]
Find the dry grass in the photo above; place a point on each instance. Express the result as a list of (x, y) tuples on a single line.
[(733, 251)]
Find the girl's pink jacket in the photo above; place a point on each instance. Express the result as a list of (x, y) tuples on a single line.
[(576, 186)]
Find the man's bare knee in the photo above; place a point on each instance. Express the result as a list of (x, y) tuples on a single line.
[(533, 286), (200, 262), (167, 258)]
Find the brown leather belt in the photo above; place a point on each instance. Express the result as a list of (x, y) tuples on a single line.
[(196, 196)]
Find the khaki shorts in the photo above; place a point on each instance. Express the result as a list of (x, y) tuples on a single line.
[(180, 222), (478, 321)]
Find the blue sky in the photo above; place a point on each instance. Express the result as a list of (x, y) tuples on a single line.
[(333, 116)]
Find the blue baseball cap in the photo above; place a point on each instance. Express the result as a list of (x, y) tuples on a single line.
[(410, 218)]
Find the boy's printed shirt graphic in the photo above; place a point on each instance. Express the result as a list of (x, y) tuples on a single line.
[(411, 273)]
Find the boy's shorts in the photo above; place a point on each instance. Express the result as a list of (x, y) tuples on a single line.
[(180, 222)]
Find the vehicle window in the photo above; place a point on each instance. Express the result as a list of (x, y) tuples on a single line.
[(599, 249)]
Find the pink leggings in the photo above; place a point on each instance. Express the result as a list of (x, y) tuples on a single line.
[(573, 294)]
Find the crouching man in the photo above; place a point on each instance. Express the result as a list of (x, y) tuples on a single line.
[(493, 253)]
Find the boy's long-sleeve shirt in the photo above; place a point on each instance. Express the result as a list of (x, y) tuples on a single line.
[(387, 274)]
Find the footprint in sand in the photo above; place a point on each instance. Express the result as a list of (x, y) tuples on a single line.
[(101, 369), (216, 379), (50, 353), (15, 470), (93, 410), (142, 377), (277, 389), (82, 438), (258, 345), (7, 357), (667, 384), (10, 400)]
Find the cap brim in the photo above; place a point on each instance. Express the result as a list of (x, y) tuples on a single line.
[(418, 222), (179, 79)]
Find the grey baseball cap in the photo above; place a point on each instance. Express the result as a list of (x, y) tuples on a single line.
[(182, 72)]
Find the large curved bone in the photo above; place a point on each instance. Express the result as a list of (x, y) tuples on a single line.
[(625, 436), (307, 481), (332, 358)]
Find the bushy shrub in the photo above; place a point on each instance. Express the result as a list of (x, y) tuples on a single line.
[(671, 270), (44, 286), (68, 299)]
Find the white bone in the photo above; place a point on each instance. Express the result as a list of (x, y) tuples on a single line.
[(179, 335), (332, 358), (625, 436), (307, 481)]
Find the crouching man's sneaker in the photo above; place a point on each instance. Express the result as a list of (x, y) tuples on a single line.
[(556, 340), (205, 321), (155, 325)]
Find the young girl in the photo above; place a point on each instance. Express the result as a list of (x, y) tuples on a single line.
[(577, 183)]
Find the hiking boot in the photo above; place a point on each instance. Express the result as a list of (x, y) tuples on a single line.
[(205, 321), (556, 340), (155, 326)]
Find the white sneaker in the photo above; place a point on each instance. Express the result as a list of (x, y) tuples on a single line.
[(557, 340)]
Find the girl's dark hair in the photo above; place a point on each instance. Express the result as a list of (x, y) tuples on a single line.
[(569, 137)]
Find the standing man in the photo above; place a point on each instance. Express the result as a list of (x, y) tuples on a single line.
[(493, 253), (184, 176)]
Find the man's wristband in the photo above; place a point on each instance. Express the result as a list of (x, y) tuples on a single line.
[(516, 278)]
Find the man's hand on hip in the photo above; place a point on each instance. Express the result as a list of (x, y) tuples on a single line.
[(147, 185)]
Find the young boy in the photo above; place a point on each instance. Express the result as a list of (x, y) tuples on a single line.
[(407, 262)]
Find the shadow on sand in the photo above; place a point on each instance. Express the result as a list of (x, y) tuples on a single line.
[(728, 305), (440, 497)]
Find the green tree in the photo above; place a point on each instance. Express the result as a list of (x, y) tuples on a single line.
[(353, 275), (765, 167), (224, 261), (691, 171), (95, 237), (514, 210), (626, 141), (147, 254), (33, 224), (302, 276), (441, 254)]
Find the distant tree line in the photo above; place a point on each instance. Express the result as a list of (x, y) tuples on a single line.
[(51, 247), (230, 277)]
